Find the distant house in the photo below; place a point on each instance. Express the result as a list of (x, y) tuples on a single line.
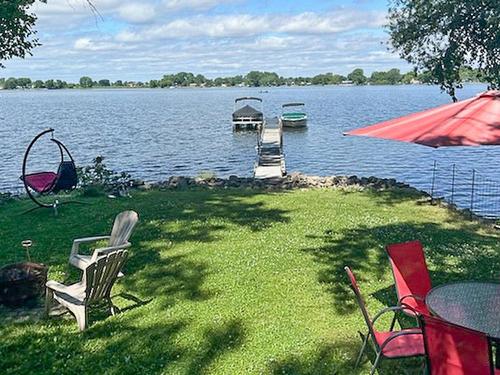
[(415, 81), (347, 83)]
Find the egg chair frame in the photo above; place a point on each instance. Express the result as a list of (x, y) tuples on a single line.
[(45, 183)]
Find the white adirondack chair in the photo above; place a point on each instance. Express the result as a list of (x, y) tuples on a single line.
[(118, 240), (95, 286)]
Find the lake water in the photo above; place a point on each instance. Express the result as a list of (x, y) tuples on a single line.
[(153, 134)]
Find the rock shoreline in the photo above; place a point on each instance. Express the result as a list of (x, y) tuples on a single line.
[(292, 181)]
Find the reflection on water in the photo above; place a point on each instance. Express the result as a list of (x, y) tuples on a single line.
[(153, 134)]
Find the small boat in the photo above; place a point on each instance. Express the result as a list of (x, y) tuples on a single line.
[(293, 119), (245, 116)]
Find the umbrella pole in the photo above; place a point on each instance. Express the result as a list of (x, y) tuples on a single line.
[(433, 181), (453, 185), (472, 193)]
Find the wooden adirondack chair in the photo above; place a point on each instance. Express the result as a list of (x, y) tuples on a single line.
[(118, 240), (95, 286)]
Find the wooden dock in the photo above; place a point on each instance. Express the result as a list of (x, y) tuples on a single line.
[(270, 162)]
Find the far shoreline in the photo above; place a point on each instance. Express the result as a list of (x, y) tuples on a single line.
[(122, 88)]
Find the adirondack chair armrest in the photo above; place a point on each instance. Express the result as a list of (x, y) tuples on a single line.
[(105, 250), (56, 286), (77, 242)]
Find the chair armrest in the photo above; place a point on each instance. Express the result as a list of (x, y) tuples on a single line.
[(394, 309), (78, 241), (414, 296), (105, 250), (401, 333), (56, 286)]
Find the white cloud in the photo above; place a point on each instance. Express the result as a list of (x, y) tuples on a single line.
[(199, 26), (83, 44), (193, 4), (87, 44), (137, 12), (127, 36), (270, 43), (53, 10), (239, 25), (332, 22)]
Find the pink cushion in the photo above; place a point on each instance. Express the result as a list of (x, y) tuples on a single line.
[(402, 346), (40, 182)]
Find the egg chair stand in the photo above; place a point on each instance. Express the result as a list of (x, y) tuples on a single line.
[(44, 183)]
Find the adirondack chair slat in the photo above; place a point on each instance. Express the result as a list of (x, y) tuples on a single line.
[(122, 228), (113, 270), (88, 276), (97, 273), (116, 268), (107, 274), (99, 286)]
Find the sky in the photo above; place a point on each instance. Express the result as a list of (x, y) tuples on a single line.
[(145, 39)]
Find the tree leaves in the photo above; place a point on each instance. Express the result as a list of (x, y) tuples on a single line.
[(17, 33), (445, 36), (16, 29)]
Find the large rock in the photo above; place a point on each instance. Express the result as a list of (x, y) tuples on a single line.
[(177, 182)]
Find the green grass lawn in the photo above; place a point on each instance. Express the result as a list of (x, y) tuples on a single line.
[(236, 281)]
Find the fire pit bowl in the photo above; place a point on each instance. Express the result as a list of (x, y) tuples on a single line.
[(22, 282)]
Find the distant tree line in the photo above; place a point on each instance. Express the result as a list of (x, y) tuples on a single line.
[(252, 79)]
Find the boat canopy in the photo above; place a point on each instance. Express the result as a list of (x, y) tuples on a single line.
[(293, 105), (247, 111), (247, 98)]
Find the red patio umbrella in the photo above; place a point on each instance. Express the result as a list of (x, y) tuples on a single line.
[(470, 122)]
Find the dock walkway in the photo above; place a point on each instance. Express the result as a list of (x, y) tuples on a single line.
[(270, 162)]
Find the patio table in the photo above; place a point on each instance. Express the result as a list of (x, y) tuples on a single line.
[(473, 304)]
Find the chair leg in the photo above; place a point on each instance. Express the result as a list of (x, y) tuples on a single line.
[(48, 301), (393, 323), (81, 316), (425, 370), (112, 307), (375, 364), (362, 351)]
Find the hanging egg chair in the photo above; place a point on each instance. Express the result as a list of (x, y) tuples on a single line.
[(40, 184)]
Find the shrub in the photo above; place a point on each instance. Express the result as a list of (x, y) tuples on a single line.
[(97, 179)]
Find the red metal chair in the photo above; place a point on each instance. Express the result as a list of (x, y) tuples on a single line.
[(388, 344), (411, 275), (455, 350)]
